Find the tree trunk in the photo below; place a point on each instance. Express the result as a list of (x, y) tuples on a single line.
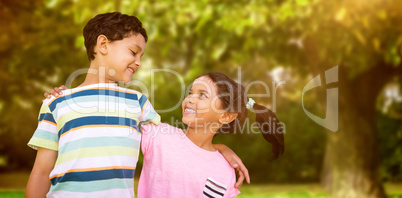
[(352, 162)]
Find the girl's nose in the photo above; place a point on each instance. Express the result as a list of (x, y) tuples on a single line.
[(190, 99)]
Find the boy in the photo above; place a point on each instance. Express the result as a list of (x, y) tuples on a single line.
[(88, 139)]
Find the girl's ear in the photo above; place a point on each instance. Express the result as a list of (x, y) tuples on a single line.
[(227, 118), (101, 44)]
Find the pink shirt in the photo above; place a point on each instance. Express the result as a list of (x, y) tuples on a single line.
[(175, 167)]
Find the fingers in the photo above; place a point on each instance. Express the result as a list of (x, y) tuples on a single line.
[(46, 96), (234, 164), (244, 170), (58, 91), (240, 179), (53, 92), (237, 163)]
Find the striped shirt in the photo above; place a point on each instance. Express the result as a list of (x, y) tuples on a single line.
[(95, 130)]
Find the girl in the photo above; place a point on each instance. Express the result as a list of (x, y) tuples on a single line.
[(185, 163)]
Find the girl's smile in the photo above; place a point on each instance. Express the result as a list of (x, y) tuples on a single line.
[(189, 110), (201, 107)]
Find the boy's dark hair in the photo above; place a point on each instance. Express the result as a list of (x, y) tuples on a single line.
[(234, 99), (114, 25)]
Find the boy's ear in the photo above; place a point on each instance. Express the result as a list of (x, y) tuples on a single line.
[(101, 44), (227, 118)]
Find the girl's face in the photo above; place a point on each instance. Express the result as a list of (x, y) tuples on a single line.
[(202, 107)]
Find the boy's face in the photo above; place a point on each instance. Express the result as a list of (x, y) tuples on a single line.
[(123, 58)]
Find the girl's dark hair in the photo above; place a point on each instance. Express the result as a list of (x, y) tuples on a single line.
[(234, 100), (114, 25)]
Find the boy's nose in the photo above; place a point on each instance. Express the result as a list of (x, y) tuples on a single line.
[(138, 63)]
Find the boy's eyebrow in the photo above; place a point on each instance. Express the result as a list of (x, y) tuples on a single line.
[(137, 46)]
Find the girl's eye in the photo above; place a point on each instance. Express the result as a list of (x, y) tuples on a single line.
[(203, 95), (190, 94), (133, 52)]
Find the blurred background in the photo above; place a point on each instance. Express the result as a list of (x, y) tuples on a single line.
[(282, 43)]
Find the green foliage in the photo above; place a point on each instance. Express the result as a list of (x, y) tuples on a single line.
[(390, 137), (302, 149), (42, 45)]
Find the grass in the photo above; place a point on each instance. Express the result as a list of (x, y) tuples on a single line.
[(282, 191), (12, 185), (12, 194), (247, 192)]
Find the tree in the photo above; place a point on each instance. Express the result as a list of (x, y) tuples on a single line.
[(363, 39), (310, 37), (306, 36)]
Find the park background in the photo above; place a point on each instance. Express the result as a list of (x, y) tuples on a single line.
[(291, 41)]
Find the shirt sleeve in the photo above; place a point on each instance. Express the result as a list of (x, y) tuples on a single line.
[(147, 137), (46, 134), (148, 113), (232, 191)]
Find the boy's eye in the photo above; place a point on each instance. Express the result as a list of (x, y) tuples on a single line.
[(203, 95), (133, 52), (190, 94)]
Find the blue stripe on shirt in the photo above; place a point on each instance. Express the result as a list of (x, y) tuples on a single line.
[(106, 92), (46, 116), (94, 175), (143, 100), (97, 120)]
